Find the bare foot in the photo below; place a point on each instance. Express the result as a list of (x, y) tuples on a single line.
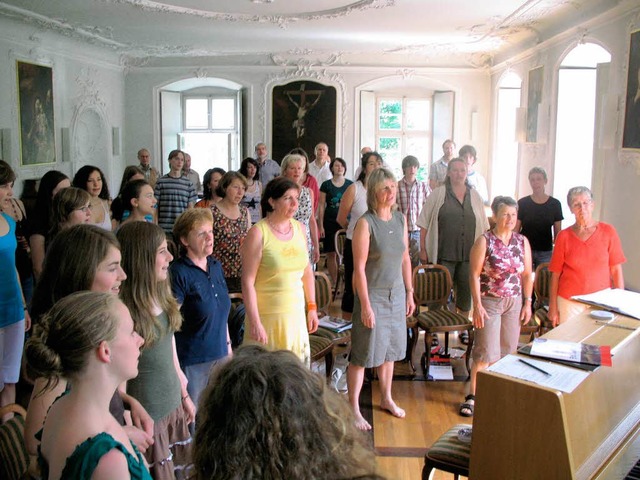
[(361, 423), (393, 409)]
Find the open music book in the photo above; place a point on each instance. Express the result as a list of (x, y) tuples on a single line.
[(335, 324), (571, 351), (617, 300)]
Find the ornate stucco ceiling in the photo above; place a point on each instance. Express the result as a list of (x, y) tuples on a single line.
[(455, 33)]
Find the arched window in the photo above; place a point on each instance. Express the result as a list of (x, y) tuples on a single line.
[(580, 89), (504, 169)]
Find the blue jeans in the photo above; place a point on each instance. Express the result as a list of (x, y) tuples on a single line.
[(540, 256), (198, 377)]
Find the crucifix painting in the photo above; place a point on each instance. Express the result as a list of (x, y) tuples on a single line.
[(304, 114)]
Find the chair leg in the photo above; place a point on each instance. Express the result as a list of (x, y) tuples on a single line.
[(412, 339), (468, 354), (328, 364), (426, 470), (427, 364), (337, 286)]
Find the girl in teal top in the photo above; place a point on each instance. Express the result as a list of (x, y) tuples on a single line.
[(89, 339)]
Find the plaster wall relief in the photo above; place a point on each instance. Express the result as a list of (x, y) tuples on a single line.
[(90, 132)]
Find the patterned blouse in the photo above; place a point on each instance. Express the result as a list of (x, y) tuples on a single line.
[(303, 214), (251, 200), (228, 236), (503, 266)]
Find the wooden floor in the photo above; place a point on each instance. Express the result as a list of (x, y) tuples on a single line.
[(431, 408)]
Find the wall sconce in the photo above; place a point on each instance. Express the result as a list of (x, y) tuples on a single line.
[(521, 125), (5, 136), (543, 123), (66, 144), (473, 127), (115, 141)]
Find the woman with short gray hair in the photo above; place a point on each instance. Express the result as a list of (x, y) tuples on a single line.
[(587, 257)]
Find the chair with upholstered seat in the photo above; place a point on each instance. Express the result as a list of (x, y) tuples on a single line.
[(340, 237), (432, 287), (541, 284), (235, 322), (14, 458), (448, 454), (323, 300)]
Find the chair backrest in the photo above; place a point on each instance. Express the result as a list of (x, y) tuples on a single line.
[(431, 285), (541, 284), (235, 322), (323, 292), (14, 459), (340, 237)]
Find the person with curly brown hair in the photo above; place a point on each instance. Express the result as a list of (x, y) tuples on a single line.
[(266, 416)]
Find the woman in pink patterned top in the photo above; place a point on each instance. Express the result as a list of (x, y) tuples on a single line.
[(501, 285), (231, 223)]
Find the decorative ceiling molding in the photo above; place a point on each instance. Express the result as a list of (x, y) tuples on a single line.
[(101, 36), (282, 19), (287, 59)]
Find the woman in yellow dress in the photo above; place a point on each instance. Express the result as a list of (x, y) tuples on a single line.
[(277, 277)]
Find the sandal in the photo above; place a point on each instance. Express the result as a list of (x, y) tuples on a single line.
[(466, 408), (464, 337), (434, 340)]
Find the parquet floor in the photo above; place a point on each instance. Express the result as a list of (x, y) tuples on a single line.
[(431, 407)]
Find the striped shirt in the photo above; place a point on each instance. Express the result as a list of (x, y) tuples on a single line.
[(174, 196), (411, 198)]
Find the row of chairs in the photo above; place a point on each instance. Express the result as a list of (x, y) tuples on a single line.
[(432, 287)]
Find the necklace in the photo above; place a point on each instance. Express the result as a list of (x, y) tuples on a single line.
[(278, 230)]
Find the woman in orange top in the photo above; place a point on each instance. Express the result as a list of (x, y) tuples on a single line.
[(587, 257)]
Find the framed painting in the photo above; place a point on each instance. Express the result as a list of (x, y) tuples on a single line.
[(35, 112), (631, 132), (303, 115), (534, 98)]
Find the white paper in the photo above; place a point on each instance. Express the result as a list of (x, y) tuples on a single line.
[(616, 299), (441, 372), (561, 378)]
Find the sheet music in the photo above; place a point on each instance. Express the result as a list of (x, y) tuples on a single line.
[(560, 377), (616, 299)]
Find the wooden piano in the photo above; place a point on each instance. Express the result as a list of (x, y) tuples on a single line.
[(525, 431)]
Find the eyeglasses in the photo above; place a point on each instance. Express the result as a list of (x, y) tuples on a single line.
[(85, 209)]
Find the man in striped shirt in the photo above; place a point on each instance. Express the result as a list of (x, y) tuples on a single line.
[(412, 194), (174, 193)]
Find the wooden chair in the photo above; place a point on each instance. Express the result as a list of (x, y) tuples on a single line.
[(324, 340), (340, 237), (448, 454), (432, 287), (541, 286), (323, 300), (14, 458), (236, 321)]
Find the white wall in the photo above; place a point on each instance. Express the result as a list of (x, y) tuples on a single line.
[(471, 87), (88, 86), (621, 183)]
